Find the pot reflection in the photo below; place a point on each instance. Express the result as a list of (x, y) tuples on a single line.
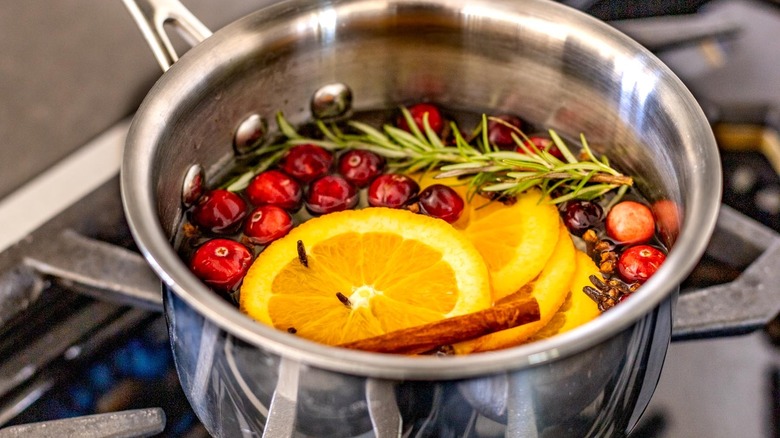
[(238, 389)]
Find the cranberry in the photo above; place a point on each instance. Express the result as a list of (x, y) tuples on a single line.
[(267, 223), (630, 222), (273, 187), (638, 263), (500, 132), (542, 143), (579, 216), (330, 193), (667, 216), (392, 190), (221, 263), (441, 202), (306, 162), (360, 167), (418, 112), (219, 211)]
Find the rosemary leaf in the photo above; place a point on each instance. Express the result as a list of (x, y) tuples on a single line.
[(618, 196), (498, 187), (480, 164), (412, 124), (587, 193), (242, 181), (562, 147), (285, 127), (379, 150), (468, 165), (431, 135), (485, 138), (325, 144), (405, 139), (372, 133), (328, 133), (522, 175)]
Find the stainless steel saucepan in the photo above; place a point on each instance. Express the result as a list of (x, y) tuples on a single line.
[(550, 64)]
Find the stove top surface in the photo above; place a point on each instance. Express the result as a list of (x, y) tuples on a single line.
[(713, 388)]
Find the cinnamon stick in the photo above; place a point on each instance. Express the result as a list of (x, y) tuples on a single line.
[(415, 340)]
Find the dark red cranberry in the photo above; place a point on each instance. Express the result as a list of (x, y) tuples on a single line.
[(441, 202), (273, 187), (638, 263), (219, 211), (418, 112), (221, 263), (578, 216), (392, 190), (542, 143), (630, 222), (306, 162), (267, 223), (330, 193), (500, 132), (360, 167)]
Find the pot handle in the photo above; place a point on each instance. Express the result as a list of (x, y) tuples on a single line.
[(151, 16), (745, 304)]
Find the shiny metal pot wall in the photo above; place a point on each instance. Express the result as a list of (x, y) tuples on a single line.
[(552, 65)]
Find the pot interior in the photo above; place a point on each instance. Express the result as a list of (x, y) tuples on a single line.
[(549, 64)]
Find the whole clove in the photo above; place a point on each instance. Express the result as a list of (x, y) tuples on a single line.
[(302, 254), (344, 300)]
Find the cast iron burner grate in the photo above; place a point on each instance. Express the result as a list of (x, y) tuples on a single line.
[(123, 362)]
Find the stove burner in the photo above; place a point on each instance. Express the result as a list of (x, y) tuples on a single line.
[(746, 119)]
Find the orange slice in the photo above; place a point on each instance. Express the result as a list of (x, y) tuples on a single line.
[(393, 269), (578, 307), (549, 288), (515, 240)]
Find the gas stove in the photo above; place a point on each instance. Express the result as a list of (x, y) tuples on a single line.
[(69, 349)]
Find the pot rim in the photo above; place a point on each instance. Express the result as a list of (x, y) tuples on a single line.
[(139, 201)]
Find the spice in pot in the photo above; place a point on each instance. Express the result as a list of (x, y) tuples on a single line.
[(494, 188)]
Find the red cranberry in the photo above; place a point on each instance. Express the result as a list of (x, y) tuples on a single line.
[(581, 215), (542, 143), (219, 211), (639, 263), (267, 223), (500, 132), (630, 222), (360, 167), (330, 193), (441, 202), (392, 190), (273, 187), (221, 263), (418, 111), (306, 162)]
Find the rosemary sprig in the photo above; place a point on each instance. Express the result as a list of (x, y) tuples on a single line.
[(481, 165)]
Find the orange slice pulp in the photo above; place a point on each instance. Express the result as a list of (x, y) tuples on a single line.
[(369, 272), (515, 240), (578, 307)]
